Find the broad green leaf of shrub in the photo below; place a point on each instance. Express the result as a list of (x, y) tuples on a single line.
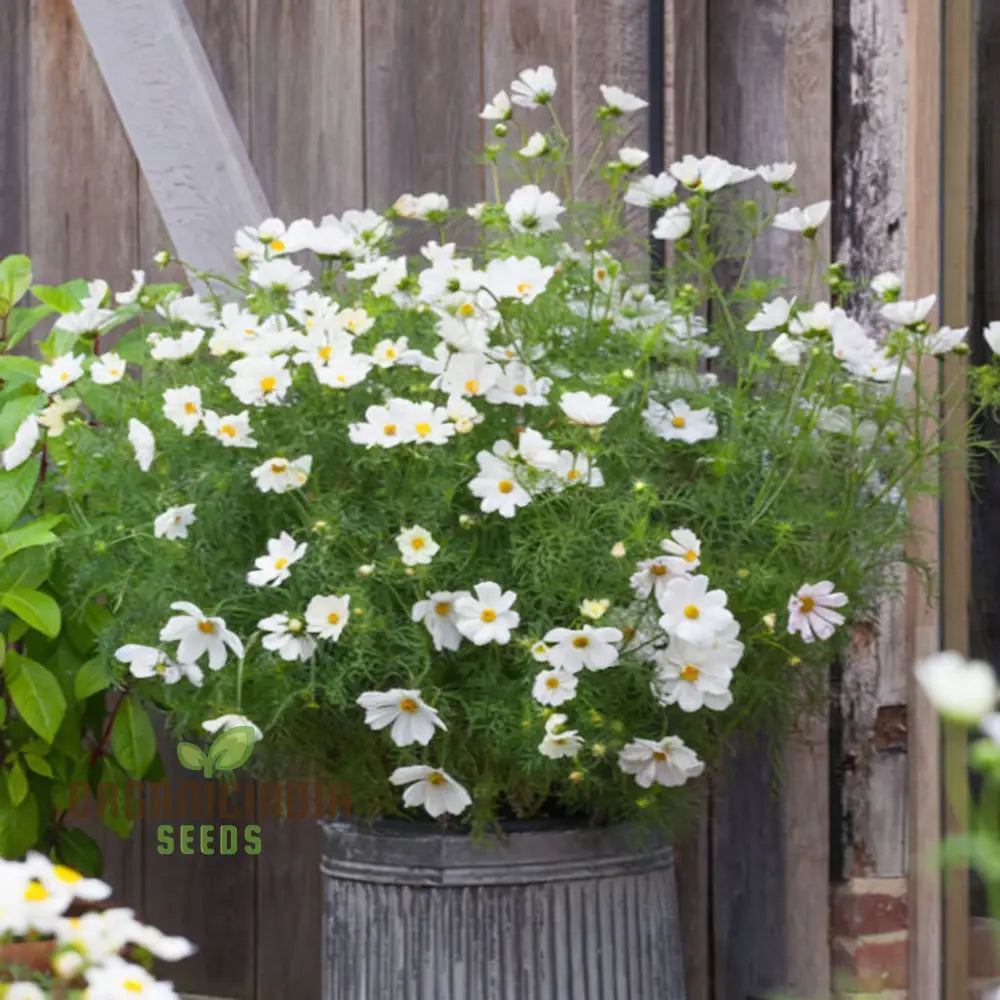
[(77, 849), (18, 824), (16, 487), (133, 741), (56, 298), (22, 321), (17, 783), (92, 677), (111, 803), (29, 536), (36, 694), (15, 280), (39, 765), (39, 610)]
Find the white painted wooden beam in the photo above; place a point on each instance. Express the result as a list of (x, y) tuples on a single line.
[(178, 122)]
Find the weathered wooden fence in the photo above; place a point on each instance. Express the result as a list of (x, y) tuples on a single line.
[(348, 103)]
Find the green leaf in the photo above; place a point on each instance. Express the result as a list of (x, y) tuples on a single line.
[(17, 783), (92, 677), (36, 695), (39, 765), (112, 808), (191, 756), (13, 413), (17, 370), (29, 536), (18, 824), (77, 849), (231, 748), (22, 321), (28, 568), (133, 741), (15, 280), (39, 610), (16, 488), (56, 298)]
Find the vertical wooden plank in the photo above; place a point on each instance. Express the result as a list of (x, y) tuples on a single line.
[(956, 286), (14, 56), (307, 104), (422, 69), (770, 77), (82, 178), (923, 190), (685, 99)]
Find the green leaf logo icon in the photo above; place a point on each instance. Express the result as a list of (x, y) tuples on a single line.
[(230, 749)]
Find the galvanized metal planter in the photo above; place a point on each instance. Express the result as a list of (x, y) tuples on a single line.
[(547, 913)]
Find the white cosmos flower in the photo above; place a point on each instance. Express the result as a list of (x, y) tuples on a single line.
[(776, 174), (620, 101), (190, 309), (908, 312), (431, 788), (887, 283), (531, 210), (197, 634), (272, 569), (536, 145), (411, 718), (117, 979), (166, 947), (945, 340), (691, 611), (540, 652), (673, 224), (287, 637), (128, 297), (259, 380), (810, 610), (587, 410), (280, 274), (63, 371), (24, 991), (576, 470), (53, 417), (437, 612), (497, 110), (61, 880), (653, 191), (991, 334), (383, 426), (787, 349), (327, 615), (557, 741), (683, 549), (533, 87), (694, 675), (174, 522), (594, 608), (554, 687), (182, 407), (279, 474), (522, 278), (233, 429), (586, 648), (416, 546), (174, 348), (468, 373), (678, 422), (107, 369), (631, 157), (962, 690), (708, 173), (148, 661), (773, 315), (518, 386), (669, 762), (803, 220), (387, 353), (143, 443), (487, 617), (231, 721), (651, 576), (425, 423), (536, 450), (25, 439), (496, 486)]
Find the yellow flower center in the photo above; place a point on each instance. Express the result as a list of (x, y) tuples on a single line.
[(390, 353), (505, 486), (523, 288), (678, 422), (552, 683), (114, 371), (207, 627), (249, 332), (581, 642), (806, 604), (601, 274), (690, 555), (36, 892), (659, 755), (341, 378), (64, 376), (436, 778), (277, 246), (333, 618), (389, 430), (658, 569), (417, 543), (325, 352), (466, 309), (573, 475), (691, 611), (278, 466), (520, 390), (228, 429), (66, 874), (690, 673), (280, 563), (442, 608), (268, 382), (132, 986), (488, 615), (472, 386), (423, 429), (190, 407), (408, 705)]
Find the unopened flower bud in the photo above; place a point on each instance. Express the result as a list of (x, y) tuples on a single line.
[(366, 570), (618, 550)]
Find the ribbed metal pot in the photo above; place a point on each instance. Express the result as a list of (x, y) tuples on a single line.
[(412, 913)]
